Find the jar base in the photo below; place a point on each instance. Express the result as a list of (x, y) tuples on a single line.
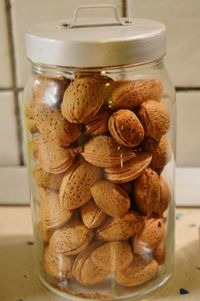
[(70, 294)]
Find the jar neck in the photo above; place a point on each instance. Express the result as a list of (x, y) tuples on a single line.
[(58, 71)]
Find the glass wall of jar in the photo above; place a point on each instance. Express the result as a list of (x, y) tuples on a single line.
[(100, 156)]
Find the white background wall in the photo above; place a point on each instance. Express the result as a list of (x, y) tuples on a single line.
[(182, 18)]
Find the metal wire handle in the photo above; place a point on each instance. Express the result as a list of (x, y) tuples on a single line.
[(119, 21)]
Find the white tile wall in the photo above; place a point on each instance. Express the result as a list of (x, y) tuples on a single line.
[(5, 67), (9, 155), (188, 128), (182, 18), (27, 12)]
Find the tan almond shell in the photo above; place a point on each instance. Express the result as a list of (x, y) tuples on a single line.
[(104, 151), (129, 170), (29, 109), (162, 154), (84, 269), (44, 233), (53, 158), (57, 265), (31, 125), (45, 179), (84, 98), (71, 239), (113, 256), (98, 125), (49, 90), (154, 118), (111, 198), (129, 94), (165, 196), (150, 236), (120, 229), (137, 273), (33, 147), (159, 253), (53, 126), (92, 216), (51, 213), (147, 192), (76, 184), (126, 128)]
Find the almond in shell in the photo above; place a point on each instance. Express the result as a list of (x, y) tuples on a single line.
[(129, 170), (98, 125), (159, 253), (111, 198), (126, 128), (76, 184), (120, 229), (113, 256), (85, 270), (84, 98), (104, 151), (71, 239), (92, 215), (129, 94), (154, 118), (57, 265), (137, 273)]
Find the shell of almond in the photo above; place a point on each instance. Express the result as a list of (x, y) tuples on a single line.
[(129, 94), (57, 265), (113, 256), (76, 184), (129, 170), (120, 229), (92, 215), (137, 273), (104, 151), (71, 239), (111, 198), (84, 97), (126, 128), (85, 270), (98, 125)]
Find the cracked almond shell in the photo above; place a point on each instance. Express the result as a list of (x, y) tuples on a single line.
[(137, 273), (113, 256), (98, 125), (126, 128), (104, 151), (111, 198), (92, 216), (76, 184), (129, 94)]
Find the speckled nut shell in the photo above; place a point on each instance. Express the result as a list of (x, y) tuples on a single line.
[(159, 253), (126, 128), (131, 93), (44, 233), (31, 126), (76, 184), (53, 158), (92, 216), (111, 198), (49, 90), (154, 118), (120, 229), (51, 213), (57, 265), (129, 170), (113, 256), (104, 151), (98, 125), (150, 236), (162, 154), (84, 97), (53, 126), (165, 196), (137, 273), (29, 109), (147, 192), (71, 239), (45, 179), (85, 270)]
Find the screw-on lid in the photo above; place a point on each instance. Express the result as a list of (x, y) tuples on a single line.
[(96, 42)]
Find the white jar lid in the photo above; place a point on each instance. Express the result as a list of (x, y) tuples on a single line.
[(96, 42)]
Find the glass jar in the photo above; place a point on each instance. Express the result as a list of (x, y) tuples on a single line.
[(100, 136)]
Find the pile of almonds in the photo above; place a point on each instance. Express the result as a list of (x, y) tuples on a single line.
[(98, 149)]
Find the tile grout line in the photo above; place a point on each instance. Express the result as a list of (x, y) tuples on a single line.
[(14, 79), (124, 8)]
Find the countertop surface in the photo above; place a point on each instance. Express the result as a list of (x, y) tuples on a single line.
[(19, 282)]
